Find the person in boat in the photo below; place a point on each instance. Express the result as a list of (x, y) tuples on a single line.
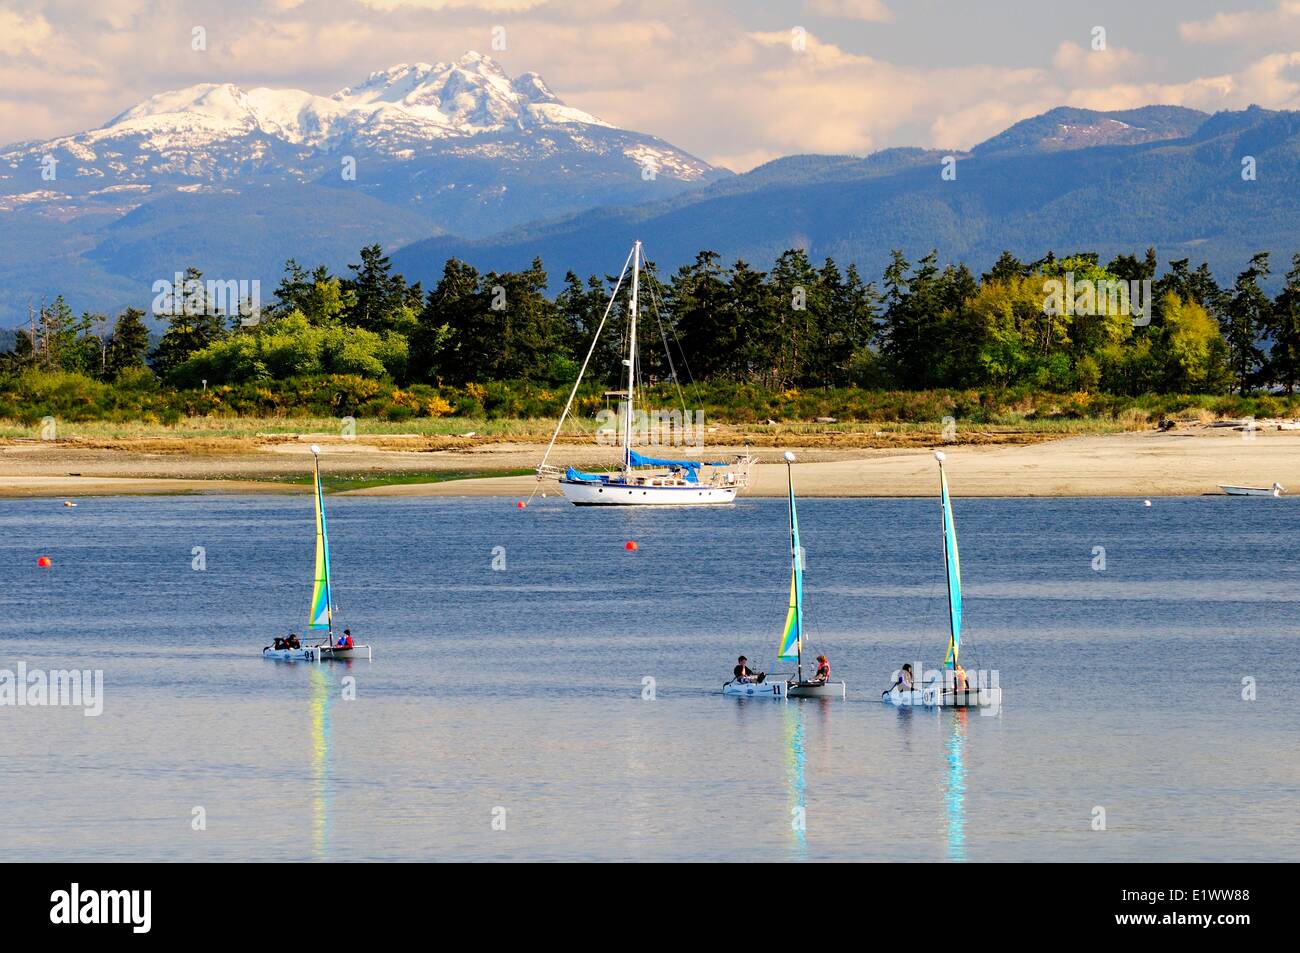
[(904, 683), (823, 671), (959, 677), (743, 673), (345, 640), (292, 642)]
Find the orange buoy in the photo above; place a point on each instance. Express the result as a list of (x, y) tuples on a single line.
[(630, 546), (521, 504), (44, 562)]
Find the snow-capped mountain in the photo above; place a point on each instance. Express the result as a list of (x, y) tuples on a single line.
[(213, 135), (235, 180)]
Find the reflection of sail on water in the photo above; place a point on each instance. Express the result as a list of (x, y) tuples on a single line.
[(796, 757), (320, 758), (955, 786)]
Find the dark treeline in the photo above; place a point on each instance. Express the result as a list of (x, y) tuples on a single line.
[(798, 325)]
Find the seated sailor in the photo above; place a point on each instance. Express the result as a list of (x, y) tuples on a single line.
[(823, 671), (742, 672)]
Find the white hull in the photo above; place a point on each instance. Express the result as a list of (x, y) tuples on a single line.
[(934, 696), (308, 653), (586, 493), (828, 690), (357, 651), (773, 689), (1251, 490)]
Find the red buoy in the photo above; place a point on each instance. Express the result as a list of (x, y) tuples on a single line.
[(521, 504), (630, 546), (44, 562)]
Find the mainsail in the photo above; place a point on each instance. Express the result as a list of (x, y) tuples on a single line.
[(322, 605), (954, 572), (792, 635)]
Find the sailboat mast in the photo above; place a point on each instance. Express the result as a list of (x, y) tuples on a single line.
[(947, 557), (631, 358), (325, 545), (794, 569)]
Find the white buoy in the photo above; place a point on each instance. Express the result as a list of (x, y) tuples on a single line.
[(789, 456), (315, 448), (68, 503), (1146, 502), (940, 456)]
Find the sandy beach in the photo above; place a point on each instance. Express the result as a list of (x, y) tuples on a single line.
[(1190, 460)]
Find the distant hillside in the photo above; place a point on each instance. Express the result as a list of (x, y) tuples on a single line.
[(234, 180), (1068, 180)]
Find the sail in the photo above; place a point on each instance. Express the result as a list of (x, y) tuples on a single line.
[(322, 609), (792, 635), (954, 573)]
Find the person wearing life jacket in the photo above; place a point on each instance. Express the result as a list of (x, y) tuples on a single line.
[(823, 671), (292, 642), (345, 640), (959, 677), (742, 672)]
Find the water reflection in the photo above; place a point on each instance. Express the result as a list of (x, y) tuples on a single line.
[(320, 759), (796, 760), (955, 787)]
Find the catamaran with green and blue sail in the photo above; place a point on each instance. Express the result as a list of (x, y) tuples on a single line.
[(792, 634), (320, 616), (943, 689)]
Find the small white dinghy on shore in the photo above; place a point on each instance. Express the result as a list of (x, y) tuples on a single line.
[(1275, 490), (321, 615), (942, 691), (792, 636)]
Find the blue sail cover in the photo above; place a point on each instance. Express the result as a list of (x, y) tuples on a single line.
[(692, 467), (572, 474)]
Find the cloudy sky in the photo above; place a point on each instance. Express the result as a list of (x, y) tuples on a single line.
[(736, 82)]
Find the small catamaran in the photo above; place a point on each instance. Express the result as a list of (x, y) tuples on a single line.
[(792, 640), (321, 615), (943, 692), (631, 485)]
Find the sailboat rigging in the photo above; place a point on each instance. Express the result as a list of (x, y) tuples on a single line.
[(792, 633), (945, 691), (320, 614), (631, 485)]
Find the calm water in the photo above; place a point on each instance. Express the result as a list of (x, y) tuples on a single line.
[(522, 689)]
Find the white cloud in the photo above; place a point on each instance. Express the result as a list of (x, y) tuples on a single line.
[(696, 76), (1249, 25), (23, 35)]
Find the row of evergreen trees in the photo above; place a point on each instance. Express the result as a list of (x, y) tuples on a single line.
[(798, 325)]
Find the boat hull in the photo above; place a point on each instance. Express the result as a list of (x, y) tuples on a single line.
[(307, 653), (934, 696), (1251, 490), (773, 689), (590, 493), (827, 690), (328, 653)]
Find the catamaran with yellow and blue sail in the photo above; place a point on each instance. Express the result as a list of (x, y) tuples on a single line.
[(946, 689), (320, 616), (792, 634)]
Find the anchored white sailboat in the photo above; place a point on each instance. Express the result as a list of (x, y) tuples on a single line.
[(792, 640), (321, 614), (943, 691), (677, 482)]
